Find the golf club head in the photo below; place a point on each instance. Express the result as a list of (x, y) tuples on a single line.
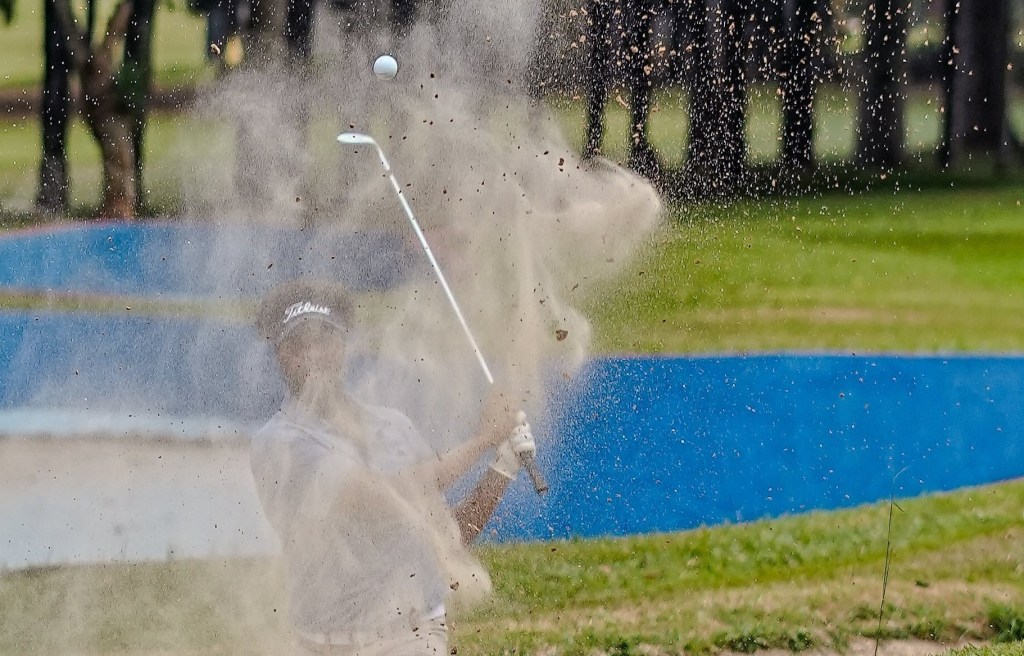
[(355, 138)]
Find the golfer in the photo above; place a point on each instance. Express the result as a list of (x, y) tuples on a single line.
[(354, 493)]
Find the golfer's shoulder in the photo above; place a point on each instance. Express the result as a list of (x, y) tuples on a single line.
[(389, 418), (396, 430), (285, 431), (277, 427)]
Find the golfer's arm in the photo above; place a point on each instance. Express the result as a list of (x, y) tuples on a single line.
[(474, 511), (452, 465)]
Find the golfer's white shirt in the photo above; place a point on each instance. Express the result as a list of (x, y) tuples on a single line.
[(358, 547)]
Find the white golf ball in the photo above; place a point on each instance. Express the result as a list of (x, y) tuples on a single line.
[(385, 67)]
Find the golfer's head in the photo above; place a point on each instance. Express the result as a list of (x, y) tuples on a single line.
[(308, 322)]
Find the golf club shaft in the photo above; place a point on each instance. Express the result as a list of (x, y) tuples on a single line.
[(540, 485), (437, 269), (529, 462)]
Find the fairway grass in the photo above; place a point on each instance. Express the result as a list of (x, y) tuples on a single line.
[(796, 583), (914, 272), (1010, 649)]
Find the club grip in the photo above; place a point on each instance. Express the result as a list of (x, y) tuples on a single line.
[(530, 465)]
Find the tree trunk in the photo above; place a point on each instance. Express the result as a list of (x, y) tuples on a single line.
[(109, 119), (135, 81), (112, 127), (52, 195), (698, 69), (639, 66), (731, 35), (113, 132), (598, 73), (801, 22), (90, 20), (103, 107), (403, 15), (977, 113), (298, 30), (262, 35), (951, 12), (716, 144), (264, 41), (880, 138)]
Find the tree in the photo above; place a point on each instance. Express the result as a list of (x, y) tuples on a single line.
[(699, 76), (55, 110), (137, 72), (978, 33), (733, 89), (639, 64), (715, 72), (599, 77), (950, 11), (114, 95), (104, 114), (632, 57), (802, 23), (880, 138), (274, 29)]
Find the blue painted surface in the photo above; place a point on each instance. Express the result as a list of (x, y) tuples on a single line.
[(149, 366), (198, 260), (136, 364), (632, 445), (662, 444)]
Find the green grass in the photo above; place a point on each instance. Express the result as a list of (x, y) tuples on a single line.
[(1015, 649), (56, 301), (169, 140), (794, 583), (1007, 622), (810, 579), (911, 271), (178, 44)]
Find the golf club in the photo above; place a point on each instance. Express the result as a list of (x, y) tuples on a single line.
[(355, 139), (359, 139)]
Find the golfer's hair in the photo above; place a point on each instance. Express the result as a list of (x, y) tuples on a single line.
[(271, 312)]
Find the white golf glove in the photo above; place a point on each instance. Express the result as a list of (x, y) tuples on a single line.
[(510, 453)]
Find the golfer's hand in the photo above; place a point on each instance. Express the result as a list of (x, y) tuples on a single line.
[(514, 449)]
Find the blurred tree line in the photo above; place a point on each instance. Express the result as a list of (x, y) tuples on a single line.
[(713, 49)]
